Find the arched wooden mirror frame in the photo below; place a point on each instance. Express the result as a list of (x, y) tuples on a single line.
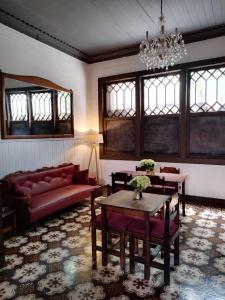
[(43, 83)]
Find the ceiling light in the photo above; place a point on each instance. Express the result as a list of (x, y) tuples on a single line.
[(163, 51)]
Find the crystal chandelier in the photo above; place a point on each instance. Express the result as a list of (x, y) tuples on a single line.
[(162, 51)]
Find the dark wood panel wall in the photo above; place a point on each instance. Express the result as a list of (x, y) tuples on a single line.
[(188, 137)]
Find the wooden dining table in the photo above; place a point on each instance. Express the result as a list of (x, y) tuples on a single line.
[(168, 177), (125, 203)]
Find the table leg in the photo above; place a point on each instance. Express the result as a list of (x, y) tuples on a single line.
[(183, 198), (147, 248), (104, 236)]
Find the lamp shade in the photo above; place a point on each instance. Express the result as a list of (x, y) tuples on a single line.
[(96, 138)]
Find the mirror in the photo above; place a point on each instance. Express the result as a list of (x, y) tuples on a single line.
[(33, 107)]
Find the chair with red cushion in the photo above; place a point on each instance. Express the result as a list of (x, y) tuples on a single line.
[(120, 181), (163, 233), (116, 226)]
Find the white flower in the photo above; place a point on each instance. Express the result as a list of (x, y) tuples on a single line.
[(72, 226), (87, 291), (54, 255), (55, 283), (7, 290), (39, 231), (107, 274), (33, 248), (12, 261), (206, 223), (29, 272), (201, 244), (203, 232), (219, 263), (15, 241), (141, 287), (189, 275), (74, 242), (76, 264), (218, 283), (140, 183), (54, 223), (175, 292), (197, 258), (69, 215), (53, 236), (122, 297), (147, 163), (221, 248)]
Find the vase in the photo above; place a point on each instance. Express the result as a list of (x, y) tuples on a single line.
[(137, 195)]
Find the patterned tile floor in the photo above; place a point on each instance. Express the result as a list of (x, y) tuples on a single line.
[(55, 262)]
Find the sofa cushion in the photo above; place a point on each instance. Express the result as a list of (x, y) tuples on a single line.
[(44, 204), (43, 181), (81, 177)]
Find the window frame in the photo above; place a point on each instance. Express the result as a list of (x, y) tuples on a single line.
[(42, 83), (184, 121)]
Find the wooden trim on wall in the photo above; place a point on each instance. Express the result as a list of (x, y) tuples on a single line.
[(9, 19), (184, 156), (206, 201)]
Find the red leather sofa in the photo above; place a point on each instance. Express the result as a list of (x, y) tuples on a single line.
[(35, 195)]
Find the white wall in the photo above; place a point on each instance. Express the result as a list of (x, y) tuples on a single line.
[(20, 54), (202, 180)]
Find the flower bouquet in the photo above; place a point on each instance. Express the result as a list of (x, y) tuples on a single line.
[(148, 165), (139, 183)]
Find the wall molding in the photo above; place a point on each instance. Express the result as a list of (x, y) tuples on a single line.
[(45, 37)]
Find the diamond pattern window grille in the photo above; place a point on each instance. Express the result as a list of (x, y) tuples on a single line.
[(162, 95), (41, 106), (64, 105), (18, 106), (207, 90), (120, 99)]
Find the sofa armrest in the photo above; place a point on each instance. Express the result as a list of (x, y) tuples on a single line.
[(24, 200), (92, 181)]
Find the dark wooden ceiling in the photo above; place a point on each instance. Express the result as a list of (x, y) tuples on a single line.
[(95, 30)]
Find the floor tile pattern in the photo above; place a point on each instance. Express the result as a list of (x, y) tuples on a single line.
[(54, 262)]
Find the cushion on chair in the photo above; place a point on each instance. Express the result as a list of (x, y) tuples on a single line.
[(156, 227), (116, 222)]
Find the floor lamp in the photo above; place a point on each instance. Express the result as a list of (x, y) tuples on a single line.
[(94, 140)]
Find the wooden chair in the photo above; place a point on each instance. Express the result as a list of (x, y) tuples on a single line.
[(116, 226), (171, 170), (163, 233), (120, 181), (159, 186)]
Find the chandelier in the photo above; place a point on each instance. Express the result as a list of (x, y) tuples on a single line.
[(163, 51)]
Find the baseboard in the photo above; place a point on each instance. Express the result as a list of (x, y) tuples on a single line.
[(213, 202)]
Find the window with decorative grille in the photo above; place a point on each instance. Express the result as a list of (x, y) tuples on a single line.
[(63, 105), (41, 106), (18, 106), (120, 99), (207, 90), (162, 95)]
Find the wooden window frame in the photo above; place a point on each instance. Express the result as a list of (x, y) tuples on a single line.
[(44, 83), (184, 134)]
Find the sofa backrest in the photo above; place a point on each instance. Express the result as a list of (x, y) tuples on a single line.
[(43, 180)]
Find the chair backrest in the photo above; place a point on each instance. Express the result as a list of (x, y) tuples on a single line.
[(140, 168), (102, 191), (120, 181), (157, 185), (169, 170), (171, 215)]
